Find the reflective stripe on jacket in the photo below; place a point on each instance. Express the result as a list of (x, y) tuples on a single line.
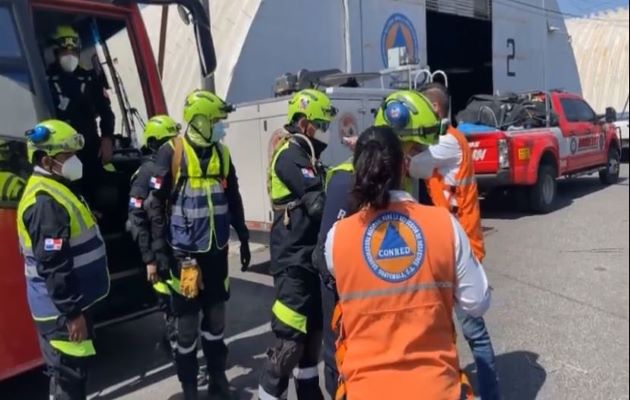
[(86, 244), (395, 274), (199, 212), (345, 166), (462, 197)]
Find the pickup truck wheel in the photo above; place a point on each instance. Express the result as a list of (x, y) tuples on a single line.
[(610, 175), (542, 195)]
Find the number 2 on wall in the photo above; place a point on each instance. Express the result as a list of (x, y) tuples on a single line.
[(511, 44)]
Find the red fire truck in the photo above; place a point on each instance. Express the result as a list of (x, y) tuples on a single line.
[(25, 99)]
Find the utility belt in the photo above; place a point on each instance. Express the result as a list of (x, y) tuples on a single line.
[(312, 202)]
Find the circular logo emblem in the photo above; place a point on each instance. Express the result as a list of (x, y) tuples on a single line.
[(348, 126), (394, 247), (399, 32), (574, 145)]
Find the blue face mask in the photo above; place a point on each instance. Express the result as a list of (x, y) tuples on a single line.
[(218, 132)]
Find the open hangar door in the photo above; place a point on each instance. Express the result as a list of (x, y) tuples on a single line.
[(459, 41)]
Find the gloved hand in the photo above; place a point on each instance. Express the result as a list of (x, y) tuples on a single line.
[(246, 255)]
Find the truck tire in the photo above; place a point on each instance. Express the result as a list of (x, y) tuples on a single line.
[(542, 196), (610, 175)]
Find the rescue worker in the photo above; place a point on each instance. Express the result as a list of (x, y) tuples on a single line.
[(297, 194), (11, 185), (79, 98), (447, 167), (148, 232), (415, 129), (399, 267), (195, 176), (65, 258)]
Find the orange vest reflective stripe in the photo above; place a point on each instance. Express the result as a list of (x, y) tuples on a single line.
[(395, 275), (461, 199)]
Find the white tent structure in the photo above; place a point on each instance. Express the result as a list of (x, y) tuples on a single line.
[(600, 43), (256, 41)]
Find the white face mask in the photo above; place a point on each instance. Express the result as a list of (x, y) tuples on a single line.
[(218, 131), (71, 169), (69, 62)]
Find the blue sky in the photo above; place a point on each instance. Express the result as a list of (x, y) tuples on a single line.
[(582, 7)]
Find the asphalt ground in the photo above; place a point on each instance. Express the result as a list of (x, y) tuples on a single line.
[(559, 319)]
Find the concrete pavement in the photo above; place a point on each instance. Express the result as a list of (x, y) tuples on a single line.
[(559, 319)]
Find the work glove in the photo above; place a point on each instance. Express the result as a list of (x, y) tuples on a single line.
[(191, 281), (246, 255)]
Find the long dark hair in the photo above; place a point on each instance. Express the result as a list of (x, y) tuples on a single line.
[(378, 161)]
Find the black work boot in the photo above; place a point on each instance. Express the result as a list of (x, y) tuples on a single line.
[(219, 386), (190, 391)]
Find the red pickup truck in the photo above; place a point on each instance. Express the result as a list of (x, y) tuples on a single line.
[(572, 140)]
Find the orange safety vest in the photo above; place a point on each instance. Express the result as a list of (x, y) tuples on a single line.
[(395, 275), (462, 198)]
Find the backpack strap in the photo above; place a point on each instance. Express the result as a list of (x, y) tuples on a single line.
[(178, 152)]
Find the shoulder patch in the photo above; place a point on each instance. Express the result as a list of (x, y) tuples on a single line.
[(52, 244), (394, 247), (156, 182), (308, 173), (135, 203)]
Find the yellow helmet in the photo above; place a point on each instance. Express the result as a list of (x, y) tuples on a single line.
[(54, 137), (160, 127), (412, 117), (313, 105), (65, 37), (207, 104)]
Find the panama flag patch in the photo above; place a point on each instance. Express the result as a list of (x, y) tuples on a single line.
[(135, 202), (156, 183), (53, 244)]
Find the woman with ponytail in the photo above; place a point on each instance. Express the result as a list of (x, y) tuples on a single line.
[(399, 269)]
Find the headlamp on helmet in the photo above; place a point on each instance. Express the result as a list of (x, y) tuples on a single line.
[(412, 117), (54, 137)]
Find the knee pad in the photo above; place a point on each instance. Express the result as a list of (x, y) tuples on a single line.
[(214, 318), (284, 357), (187, 329)]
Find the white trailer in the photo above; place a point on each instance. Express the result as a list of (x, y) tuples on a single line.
[(252, 132)]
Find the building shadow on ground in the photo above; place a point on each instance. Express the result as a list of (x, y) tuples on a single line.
[(521, 376)]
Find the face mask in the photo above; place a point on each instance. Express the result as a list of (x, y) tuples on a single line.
[(200, 132), (218, 131), (71, 169), (69, 62)]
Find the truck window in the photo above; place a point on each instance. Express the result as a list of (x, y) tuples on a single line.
[(107, 53), (9, 45), (17, 110), (577, 110), (14, 171)]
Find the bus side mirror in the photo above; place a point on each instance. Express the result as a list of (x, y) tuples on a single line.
[(611, 115)]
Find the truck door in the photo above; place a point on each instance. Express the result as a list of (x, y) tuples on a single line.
[(581, 127), (22, 102)]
